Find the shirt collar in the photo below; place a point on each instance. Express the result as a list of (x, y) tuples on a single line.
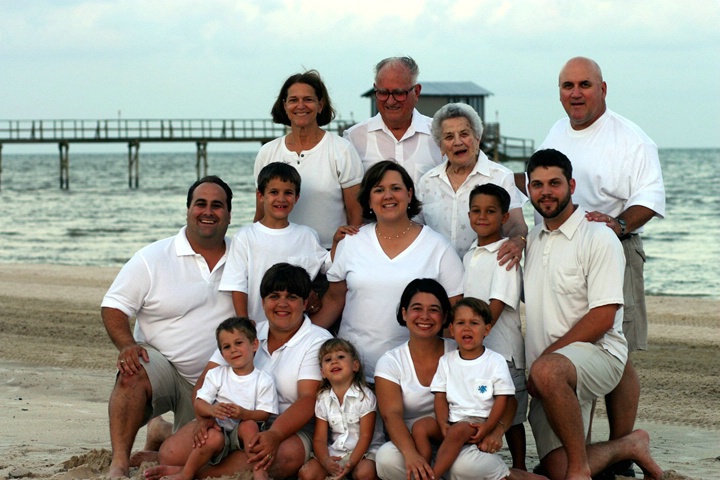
[(353, 392), (571, 225), (491, 247), (182, 244), (482, 167), (263, 330), (418, 124)]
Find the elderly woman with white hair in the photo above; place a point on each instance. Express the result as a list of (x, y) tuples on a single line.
[(445, 190)]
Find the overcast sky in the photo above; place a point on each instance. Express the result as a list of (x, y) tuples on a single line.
[(91, 59)]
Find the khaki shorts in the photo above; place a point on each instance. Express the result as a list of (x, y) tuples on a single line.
[(170, 391), (635, 325), (598, 373)]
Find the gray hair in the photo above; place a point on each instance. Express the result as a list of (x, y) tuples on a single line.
[(456, 110), (406, 62)]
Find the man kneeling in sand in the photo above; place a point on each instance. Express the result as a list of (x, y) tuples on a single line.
[(171, 287), (574, 344)]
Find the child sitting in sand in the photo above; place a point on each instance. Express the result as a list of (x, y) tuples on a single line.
[(471, 386), (345, 409), (238, 396)]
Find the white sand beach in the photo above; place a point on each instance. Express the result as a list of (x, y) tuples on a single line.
[(57, 367)]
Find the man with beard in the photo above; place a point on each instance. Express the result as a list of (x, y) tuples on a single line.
[(575, 348)]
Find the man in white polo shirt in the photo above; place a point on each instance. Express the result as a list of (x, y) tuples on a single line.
[(171, 288), (574, 344), (398, 132)]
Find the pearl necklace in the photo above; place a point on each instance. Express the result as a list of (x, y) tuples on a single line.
[(396, 236)]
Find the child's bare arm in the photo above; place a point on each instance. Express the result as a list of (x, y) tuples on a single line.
[(496, 413), (496, 308), (442, 411), (240, 414), (240, 303), (203, 409), (320, 447)]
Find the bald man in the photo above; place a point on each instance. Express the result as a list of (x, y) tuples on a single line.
[(618, 182)]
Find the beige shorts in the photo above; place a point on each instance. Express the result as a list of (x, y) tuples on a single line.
[(170, 391), (521, 395), (598, 373)]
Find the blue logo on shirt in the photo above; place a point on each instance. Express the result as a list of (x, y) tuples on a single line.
[(482, 388)]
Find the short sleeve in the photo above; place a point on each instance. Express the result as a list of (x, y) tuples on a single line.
[(439, 381), (388, 368), (211, 386), (130, 288), (267, 399)]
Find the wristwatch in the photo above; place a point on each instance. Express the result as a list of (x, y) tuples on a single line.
[(623, 226)]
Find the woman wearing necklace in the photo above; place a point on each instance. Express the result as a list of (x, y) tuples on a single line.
[(329, 166), (372, 267), (445, 190)]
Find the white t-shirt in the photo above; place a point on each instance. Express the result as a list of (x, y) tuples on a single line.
[(325, 170), (294, 361), (615, 165), (254, 391), (416, 151), (375, 284), (397, 366), (175, 298), (569, 271), (471, 385), (446, 210), (344, 420), (255, 248), (486, 279)]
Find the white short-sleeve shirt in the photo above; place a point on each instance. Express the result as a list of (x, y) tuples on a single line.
[(254, 391), (569, 271), (416, 151), (255, 248), (487, 280), (326, 169), (615, 165), (445, 210), (176, 301), (397, 367), (344, 420), (375, 284), (471, 385)]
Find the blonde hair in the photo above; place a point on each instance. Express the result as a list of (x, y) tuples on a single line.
[(340, 345)]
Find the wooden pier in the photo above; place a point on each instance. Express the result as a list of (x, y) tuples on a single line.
[(199, 131)]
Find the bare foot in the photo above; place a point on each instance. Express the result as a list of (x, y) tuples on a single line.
[(138, 458), (640, 453), (117, 472), (156, 473)]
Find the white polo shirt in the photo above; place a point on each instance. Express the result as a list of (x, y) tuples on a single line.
[(176, 300), (569, 271), (486, 279), (416, 151)]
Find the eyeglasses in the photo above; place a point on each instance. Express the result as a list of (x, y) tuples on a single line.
[(398, 95)]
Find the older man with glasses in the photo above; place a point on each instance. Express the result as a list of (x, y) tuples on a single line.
[(398, 131)]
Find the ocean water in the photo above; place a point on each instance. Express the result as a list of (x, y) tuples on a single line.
[(100, 221)]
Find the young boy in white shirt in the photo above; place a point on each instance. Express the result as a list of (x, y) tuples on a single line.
[(271, 240), (502, 290), (238, 396)]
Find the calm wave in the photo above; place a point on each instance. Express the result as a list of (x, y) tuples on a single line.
[(99, 221)]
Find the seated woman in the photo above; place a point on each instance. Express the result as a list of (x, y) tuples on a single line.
[(371, 267), (445, 190), (402, 384), (288, 351)]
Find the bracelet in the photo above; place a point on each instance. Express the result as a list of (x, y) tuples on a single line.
[(523, 239), (502, 425)]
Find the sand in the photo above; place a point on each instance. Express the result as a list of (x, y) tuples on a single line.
[(57, 367)]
